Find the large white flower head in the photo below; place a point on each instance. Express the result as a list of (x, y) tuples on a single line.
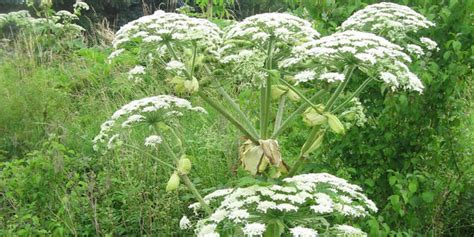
[(372, 54), (303, 195), (162, 26), (281, 26), (159, 32), (150, 110), (248, 42), (389, 20)]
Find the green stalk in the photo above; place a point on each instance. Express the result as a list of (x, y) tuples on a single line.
[(196, 193), (194, 58), (173, 54), (262, 110), (186, 179), (339, 89), (236, 107), (281, 110), (228, 116), (150, 155), (267, 90), (356, 93), (298, 92), (315, 129), (297, 112), (303, 156)]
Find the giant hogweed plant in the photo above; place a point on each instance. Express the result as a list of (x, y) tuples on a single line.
[(283, 58)]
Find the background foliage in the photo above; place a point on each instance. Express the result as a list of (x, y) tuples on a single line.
[(414, 158)]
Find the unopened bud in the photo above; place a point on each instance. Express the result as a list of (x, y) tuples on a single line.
[(173, 182), (335, 124), (191, 86), (184, 165), (293, 96), (316, 144), (278, 91), (312, 117)]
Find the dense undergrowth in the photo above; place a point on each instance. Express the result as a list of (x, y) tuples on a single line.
[(413, 158)]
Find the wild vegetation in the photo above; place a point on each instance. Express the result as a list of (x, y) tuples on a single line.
[(333, 119)]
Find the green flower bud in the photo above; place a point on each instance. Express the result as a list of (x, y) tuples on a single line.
[(184, 165), (293, 96), (317, 143), (191, 86), (278, 91), (173, 182), (335, 124), (312, 117), (274, 74)]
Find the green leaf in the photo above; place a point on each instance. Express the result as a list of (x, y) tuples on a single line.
[(413, 186), (392, 180), (275, 228), (427, 197)]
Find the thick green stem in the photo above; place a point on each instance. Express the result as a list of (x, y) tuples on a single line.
[(303, 156), (267, 90), (196, 194), (173, 54), (298, 92), (150, 155), (339, 89), (194, 58), (281, 110), (295, 113), (314, 132), (356, 93), (236, 107), (262, 110), (228, 116)]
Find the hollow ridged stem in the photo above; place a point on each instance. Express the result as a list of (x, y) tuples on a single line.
[(293, 115), (356, 93), (265, 94), (240, 113), (228, 116), (279, 115), (339, 89)]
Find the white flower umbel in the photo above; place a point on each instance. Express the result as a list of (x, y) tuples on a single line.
[(274, 33), (429, 44), (372, 54), (303, 232), (304, 76), (254, 229), (281, 26), (306, 195), (174, 65), (331, 77), (389, 20), (153, 140), (162, 108), (347, 230), (168, 27), (184, 223), (134, 73)]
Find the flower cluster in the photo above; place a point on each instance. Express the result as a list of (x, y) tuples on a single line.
[(281, 26), (248, 42), (303, 196), (392, 21), (150, 110), (162, 27), (372, 54), (61, 21), (354, 114)]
